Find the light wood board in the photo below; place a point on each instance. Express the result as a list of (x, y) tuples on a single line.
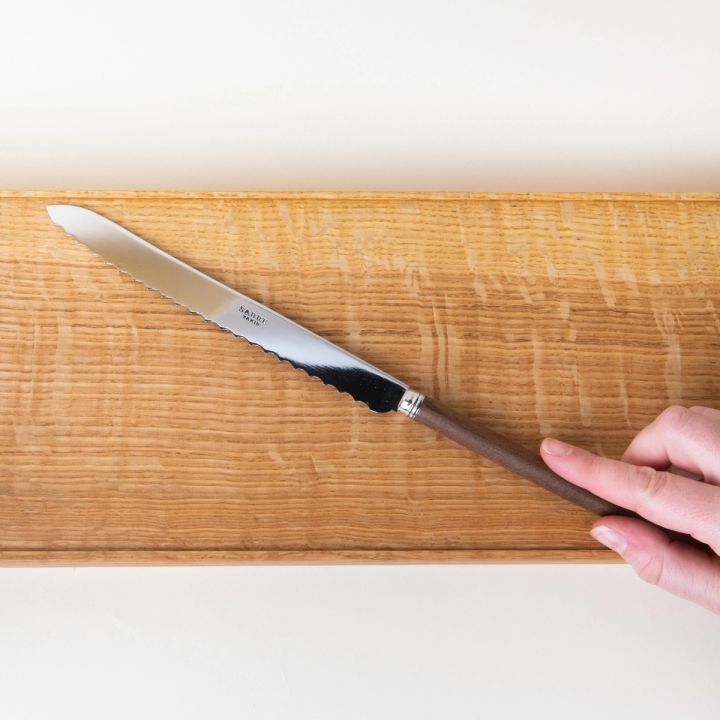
[(134, 432)]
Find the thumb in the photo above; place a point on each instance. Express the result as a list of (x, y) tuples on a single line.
[(675, 566)]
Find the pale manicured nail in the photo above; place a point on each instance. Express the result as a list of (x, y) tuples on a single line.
[(556, 447), (610, 538)]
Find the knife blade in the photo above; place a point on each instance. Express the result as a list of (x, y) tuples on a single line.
[(289, 341)]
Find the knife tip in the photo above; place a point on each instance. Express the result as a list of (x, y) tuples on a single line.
[(63, 215), (57, 212)]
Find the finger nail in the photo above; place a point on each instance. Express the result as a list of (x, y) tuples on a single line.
[(610, 538), (556, 447)]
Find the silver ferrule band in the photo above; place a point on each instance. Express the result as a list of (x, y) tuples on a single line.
[(410, 403)]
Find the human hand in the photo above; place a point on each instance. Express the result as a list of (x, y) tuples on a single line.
[(647, 482)]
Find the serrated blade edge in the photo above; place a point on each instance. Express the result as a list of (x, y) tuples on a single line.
[(230, 309)]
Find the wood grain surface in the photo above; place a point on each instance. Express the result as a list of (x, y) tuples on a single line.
[(132, 431)]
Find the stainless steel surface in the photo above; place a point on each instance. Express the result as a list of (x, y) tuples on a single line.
[(230, 309), (410, 403)]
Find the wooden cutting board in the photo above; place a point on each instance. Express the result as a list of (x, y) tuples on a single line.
[(132, 431)]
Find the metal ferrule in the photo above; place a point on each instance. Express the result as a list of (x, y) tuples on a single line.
[(410, 403)]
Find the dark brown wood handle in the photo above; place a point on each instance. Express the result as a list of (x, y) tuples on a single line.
[(520, 460), (512, 456)]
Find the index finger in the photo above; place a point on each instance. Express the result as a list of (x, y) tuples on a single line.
[(672, 501)]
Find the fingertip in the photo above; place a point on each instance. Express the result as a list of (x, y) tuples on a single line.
[(676, 566), (636, 534), (610, 538), (554, 447)]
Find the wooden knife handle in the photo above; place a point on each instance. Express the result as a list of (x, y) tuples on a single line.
[(520, 460), (512, 456)]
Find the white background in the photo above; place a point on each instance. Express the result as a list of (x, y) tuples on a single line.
[(551, 95)]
